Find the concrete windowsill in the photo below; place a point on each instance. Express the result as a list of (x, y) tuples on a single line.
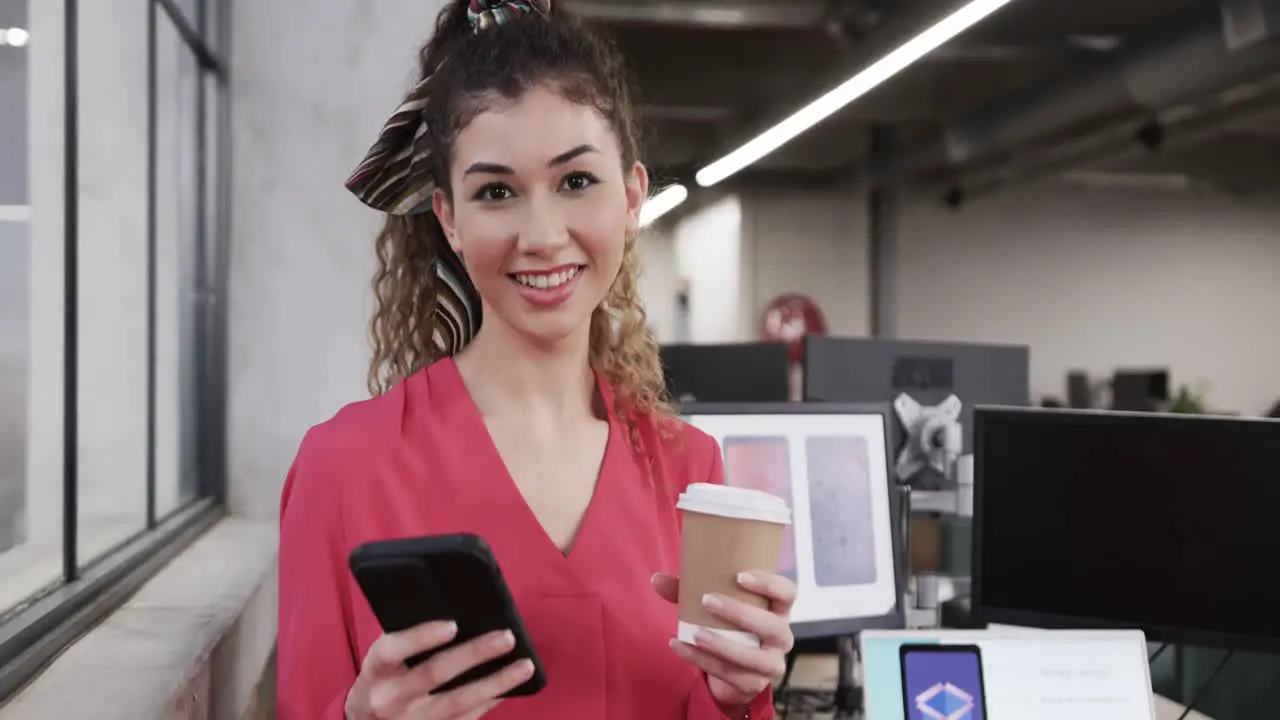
[(34, 565), (192, 643)]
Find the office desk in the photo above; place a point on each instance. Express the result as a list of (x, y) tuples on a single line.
[(818, 672), (1167, 709)]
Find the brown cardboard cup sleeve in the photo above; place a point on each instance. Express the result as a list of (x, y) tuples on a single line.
[(725, 531)]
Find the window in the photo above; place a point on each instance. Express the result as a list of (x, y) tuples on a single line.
[(112, 119), (14, 293)]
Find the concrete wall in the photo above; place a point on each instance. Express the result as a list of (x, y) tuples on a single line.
[(1090, 278), (311, 92), (658, 276), (709, 249), (1094, 278)]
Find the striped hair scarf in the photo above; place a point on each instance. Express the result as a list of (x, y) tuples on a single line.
[(395, 177)]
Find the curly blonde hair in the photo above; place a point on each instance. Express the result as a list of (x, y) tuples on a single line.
[(623, 348), (505, 62)]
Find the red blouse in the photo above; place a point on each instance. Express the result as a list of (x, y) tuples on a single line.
[(418, 460)]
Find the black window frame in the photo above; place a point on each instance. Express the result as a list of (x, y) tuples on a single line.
[(33, 634)]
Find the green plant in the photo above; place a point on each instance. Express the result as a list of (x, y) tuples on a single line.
[(1189, 402)]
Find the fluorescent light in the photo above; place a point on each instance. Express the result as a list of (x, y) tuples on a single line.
[(16, 37), (850, 90), (662, 203)]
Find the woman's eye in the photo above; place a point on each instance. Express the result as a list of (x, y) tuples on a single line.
[(579, 181), (493, 193)]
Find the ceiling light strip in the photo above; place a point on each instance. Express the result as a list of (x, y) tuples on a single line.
[(663, 203), (850, 90), (15, 37)]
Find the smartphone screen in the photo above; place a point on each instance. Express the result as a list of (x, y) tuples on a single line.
[(763, 463), (839, 481), (942, 682)]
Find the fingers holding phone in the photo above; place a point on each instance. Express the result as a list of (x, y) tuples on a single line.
[(388, 689), (478, 695), (453, 641)]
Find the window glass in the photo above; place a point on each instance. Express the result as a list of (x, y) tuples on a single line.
[(24, 564), (178, 234), (113, 356)]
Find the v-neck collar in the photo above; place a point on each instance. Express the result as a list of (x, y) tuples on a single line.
[(494, 469)]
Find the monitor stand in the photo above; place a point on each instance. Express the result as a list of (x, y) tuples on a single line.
[(848, 699)]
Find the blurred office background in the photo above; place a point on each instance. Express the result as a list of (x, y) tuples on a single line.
[(1098, 180)]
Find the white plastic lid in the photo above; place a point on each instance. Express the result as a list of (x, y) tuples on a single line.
[(741, 503)]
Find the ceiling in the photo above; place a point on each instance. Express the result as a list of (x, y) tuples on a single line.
[(712, 73)]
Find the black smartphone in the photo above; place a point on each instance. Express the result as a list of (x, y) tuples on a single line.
[(942, 682), (444, 577)]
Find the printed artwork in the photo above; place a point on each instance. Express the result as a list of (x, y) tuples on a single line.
[(764, 463), (840, 508)]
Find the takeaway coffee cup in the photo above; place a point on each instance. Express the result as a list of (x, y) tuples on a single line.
[(725, 531)]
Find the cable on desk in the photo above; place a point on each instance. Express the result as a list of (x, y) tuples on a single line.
[(806, 703), (1156, 654), (1209, 681), (786, 675), (803, 701)]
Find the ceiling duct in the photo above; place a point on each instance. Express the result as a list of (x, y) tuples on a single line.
[(1179, 126), (1195, 60), (724, 14), (1245, 22)]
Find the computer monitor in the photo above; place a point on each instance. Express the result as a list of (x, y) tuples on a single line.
[(830, 462), (1079, 390), (875, 370), (1097, 519), (1139, 390), (734, 373)]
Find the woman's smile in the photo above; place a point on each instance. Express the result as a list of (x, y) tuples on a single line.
[(548, 288)]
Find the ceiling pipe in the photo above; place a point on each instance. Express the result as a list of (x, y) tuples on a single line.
[(1179, 126), (1198, 59), (725, 14)]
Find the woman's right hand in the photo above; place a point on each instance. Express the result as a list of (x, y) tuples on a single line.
[(387, 689)]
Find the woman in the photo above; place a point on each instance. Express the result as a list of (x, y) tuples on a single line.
[(513, 191)]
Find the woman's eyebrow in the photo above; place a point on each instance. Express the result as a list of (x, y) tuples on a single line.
[(490, 168)]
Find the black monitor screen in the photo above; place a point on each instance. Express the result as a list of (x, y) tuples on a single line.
[(875, 370), (1153, 521), (737, 373), (1139, 389)]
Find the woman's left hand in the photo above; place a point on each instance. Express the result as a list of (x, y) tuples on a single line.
[(737, 673)]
